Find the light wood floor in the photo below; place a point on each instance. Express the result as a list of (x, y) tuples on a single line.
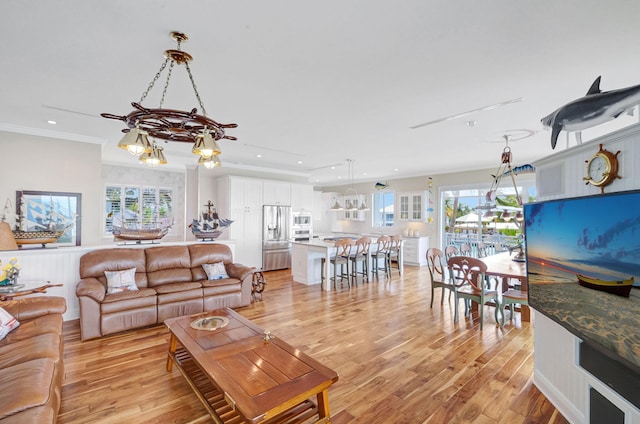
[(398, 360)]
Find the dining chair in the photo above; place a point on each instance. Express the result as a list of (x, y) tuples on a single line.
[(512, 297), (381, 253), (468, 278), (395, 243), (483, 250), (437, 265), (359, 253), (451, 251), (341, 258), (465, 249)]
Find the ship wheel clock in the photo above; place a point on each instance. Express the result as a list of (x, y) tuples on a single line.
[(602, 168)]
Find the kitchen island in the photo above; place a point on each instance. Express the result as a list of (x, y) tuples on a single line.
[(306, 261)]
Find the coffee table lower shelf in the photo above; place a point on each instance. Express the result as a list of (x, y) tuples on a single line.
[(220, 410)]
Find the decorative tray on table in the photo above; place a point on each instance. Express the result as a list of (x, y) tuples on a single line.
[(209, 323), (11, 288)]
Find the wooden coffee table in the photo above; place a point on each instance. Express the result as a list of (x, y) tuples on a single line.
[(242, 374)]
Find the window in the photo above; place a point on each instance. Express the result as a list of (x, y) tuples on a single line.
[(383, 209), (137, 207)]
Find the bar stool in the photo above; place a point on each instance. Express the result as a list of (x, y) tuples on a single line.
[(395, 244), (360, 254), (341, 257), (382, 252)]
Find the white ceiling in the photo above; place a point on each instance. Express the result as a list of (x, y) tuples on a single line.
[(320, 81)]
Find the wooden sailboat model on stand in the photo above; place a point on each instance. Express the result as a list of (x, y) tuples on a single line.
[(209, 226)]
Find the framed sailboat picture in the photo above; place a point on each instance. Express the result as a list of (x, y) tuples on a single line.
[(48, 217)]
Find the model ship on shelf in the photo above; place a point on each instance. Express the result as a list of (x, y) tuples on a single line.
[(41, 225), (209, 226), (619, 287), (132, 231)]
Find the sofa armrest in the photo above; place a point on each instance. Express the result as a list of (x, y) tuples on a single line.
[(91, 287), (238, 271), (34, 307)]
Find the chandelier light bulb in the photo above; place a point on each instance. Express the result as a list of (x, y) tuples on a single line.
[(210, 162), (136, 142), (206, 145), (154, 158)]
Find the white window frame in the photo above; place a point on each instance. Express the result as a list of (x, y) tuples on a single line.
[(153, 214), (381, 215)]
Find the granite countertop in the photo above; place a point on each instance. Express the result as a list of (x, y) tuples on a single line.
[(315, 242), (609, 320)]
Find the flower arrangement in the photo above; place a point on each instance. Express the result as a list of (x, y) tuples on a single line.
[(9, 273)]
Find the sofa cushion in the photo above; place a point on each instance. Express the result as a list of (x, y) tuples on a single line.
[(128, 301), (121, 281), (180, 295), (46, 345), (7, 323), (177, 287), (168, 264), (34, 327), (223, 282), (95, 263), (26, 385), (207, 254), (215, 271)]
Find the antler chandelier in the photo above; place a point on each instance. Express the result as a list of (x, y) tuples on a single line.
[(171, 124)]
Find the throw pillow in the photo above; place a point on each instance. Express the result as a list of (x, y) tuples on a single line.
[(7, 323), (121, 281), (215, 271)]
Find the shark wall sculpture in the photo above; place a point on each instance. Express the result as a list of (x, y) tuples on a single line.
[(595, 108)]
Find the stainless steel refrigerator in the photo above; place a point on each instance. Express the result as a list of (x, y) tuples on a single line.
[(276, 236)]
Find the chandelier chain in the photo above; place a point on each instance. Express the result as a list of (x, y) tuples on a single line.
[(195, 89), (152, 83), (166, 83)]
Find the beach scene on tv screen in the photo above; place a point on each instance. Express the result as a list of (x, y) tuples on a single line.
[(597, 236)]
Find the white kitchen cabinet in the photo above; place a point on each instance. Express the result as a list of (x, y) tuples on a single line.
[(415, 250), (276, 193), (412, 206), (241, 193), (301, 198), (240, 199), (352, 215)]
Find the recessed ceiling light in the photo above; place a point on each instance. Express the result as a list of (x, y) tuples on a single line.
[(51, 122), (258, 156), (396, 169), (339, 177), (299, 162), (364, 173), (333, 167), (471, 123)]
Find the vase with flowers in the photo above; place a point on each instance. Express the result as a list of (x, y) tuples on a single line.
[(9, 272)]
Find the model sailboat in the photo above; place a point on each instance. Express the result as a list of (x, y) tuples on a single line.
[(209, 226), (45, 225)]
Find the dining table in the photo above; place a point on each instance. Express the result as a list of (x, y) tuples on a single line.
[(504, 267)]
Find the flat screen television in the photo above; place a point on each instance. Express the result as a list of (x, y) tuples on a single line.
[(597, 237)]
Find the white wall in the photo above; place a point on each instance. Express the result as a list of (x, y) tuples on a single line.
[(48, 164)]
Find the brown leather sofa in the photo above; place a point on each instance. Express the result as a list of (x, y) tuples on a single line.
[(31, 368), (171, 282)]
